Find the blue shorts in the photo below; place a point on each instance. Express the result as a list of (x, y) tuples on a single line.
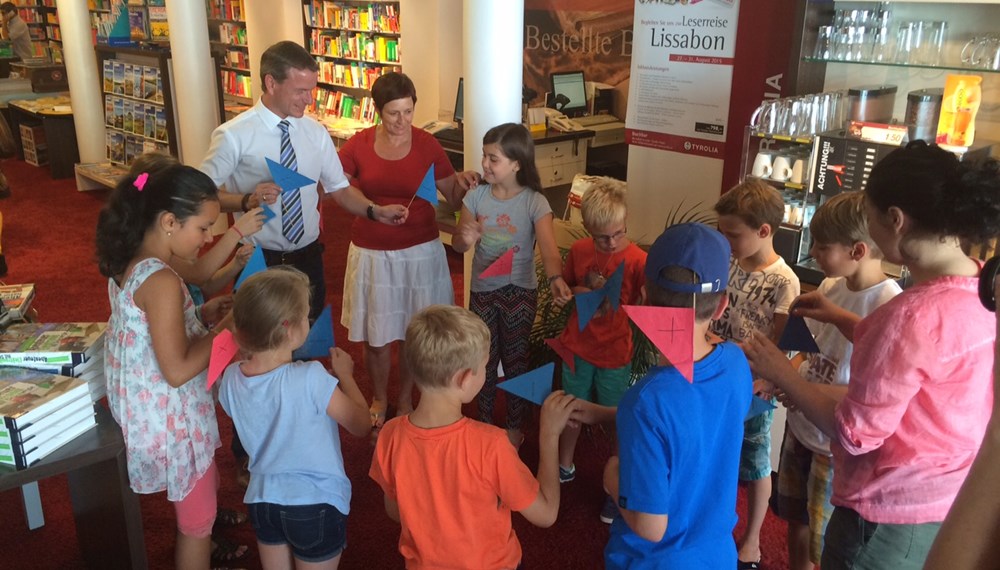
[(315, 533), (755, 456)]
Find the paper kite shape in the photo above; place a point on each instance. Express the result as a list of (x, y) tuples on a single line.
[(534, 386), (254, 264), (587, 305), (268, 213), (613, 286), (224, 348), (428, 189), (320, 339), (563, 351), (671, 330), (286, 178), (502, 266), (758, 406), (797, 336)]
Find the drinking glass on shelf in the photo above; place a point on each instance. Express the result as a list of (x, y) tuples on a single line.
[(862, 44), (881, 44), (904, 42), (824, 43), (920, 42), (937, 39)]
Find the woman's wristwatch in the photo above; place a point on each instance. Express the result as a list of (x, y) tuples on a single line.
[(245, 202), (371, 211)]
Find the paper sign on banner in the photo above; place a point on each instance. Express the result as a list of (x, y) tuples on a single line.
[(534, 386), (286, 178), (671, 330), (563, 351), (428, 189), (254, 265), (224, 348), (268, 213), (502, 266), (320, 339), (797, 336), (587, 305), (758, 406)]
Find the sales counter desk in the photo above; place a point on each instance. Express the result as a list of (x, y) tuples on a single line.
[(108, 520)]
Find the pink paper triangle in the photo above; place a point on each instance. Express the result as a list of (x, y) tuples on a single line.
[(563, 351), (224, 348), (502, 266), (671, 330)]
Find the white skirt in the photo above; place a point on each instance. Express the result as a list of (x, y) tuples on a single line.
[(383, 289)]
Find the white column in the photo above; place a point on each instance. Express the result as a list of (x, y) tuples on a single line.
[(493, 68), (195, 86), (84, 79)]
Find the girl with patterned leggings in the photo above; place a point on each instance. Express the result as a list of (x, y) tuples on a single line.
[(503, 218)]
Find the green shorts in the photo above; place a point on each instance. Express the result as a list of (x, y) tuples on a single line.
[(802, 495), (755, 456), (853, 543), (604, 386)]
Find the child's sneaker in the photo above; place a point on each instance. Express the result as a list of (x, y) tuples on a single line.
[(609, 511), (567, 475)]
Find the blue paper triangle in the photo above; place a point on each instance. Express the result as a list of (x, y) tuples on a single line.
[(797, 336), (320, 339), (268, 213), (254, 264), (587, 305), (428, 189), (534, 386), (613, 286), (758, 406), (286, 178)]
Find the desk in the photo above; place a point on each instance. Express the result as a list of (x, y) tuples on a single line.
[(60, 136), (108, 520)]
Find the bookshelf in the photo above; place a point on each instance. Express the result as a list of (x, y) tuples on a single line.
[(43, 25), (353, 42), (227, 35), (147, 20)]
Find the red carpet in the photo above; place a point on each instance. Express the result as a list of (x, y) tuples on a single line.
[(48, 235)]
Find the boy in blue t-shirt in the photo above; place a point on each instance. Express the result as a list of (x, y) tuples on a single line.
[(679, 441)]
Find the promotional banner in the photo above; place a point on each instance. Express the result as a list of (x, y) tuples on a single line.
[(682, 71)]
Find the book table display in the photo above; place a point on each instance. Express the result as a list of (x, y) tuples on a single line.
[(56, 140), (108, 519)]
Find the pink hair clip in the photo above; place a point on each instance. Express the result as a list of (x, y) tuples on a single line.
[(140, 181)]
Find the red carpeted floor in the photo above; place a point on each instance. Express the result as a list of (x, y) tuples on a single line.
[(47, 237)]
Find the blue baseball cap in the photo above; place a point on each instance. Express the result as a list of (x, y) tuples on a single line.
[(695, 247)]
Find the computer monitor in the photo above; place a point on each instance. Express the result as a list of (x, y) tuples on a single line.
[(459, 104), (569, 95)]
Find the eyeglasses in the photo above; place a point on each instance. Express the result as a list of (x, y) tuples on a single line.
[(608, 238)]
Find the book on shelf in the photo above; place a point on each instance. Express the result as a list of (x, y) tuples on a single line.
[(136, 81), (17, 298), (159, 29), (138, 25), (52, 347), (118, 86), (109, 76)]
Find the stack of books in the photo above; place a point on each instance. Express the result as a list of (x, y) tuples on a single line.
[(17, 299), (41, 412), (68, 349)]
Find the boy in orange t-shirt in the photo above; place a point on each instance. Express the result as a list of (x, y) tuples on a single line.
[(603, 349), (451, 481)]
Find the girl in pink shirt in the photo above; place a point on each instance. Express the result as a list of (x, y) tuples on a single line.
[(921, 392)]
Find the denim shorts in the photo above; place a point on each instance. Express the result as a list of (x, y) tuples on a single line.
[(315, 533)]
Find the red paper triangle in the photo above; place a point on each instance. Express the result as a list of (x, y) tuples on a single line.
[(671, 330), (502, 266), (563, 351), (224, 348)]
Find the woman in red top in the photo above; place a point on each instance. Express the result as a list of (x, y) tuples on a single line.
[(396, 270)]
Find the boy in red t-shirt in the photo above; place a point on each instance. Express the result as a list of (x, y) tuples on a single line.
[(603, 349), (451, 481)]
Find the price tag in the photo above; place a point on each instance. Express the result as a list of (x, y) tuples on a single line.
[(877, 132)]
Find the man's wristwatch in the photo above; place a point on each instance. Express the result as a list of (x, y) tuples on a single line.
[(245, 202), (371, 211)]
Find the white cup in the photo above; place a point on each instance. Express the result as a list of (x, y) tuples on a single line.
[(762, 165), (781, 169), (798, 171)]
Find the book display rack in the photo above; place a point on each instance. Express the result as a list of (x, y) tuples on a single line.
[(354, 42), (43, 25), (147, 19), (227, 34)]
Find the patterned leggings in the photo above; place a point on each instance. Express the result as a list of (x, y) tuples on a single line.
[(509, 313)]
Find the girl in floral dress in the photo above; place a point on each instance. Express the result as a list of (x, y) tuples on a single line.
[(157, 350)]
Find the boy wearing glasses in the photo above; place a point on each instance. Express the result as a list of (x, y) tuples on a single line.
[(603, 349)]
